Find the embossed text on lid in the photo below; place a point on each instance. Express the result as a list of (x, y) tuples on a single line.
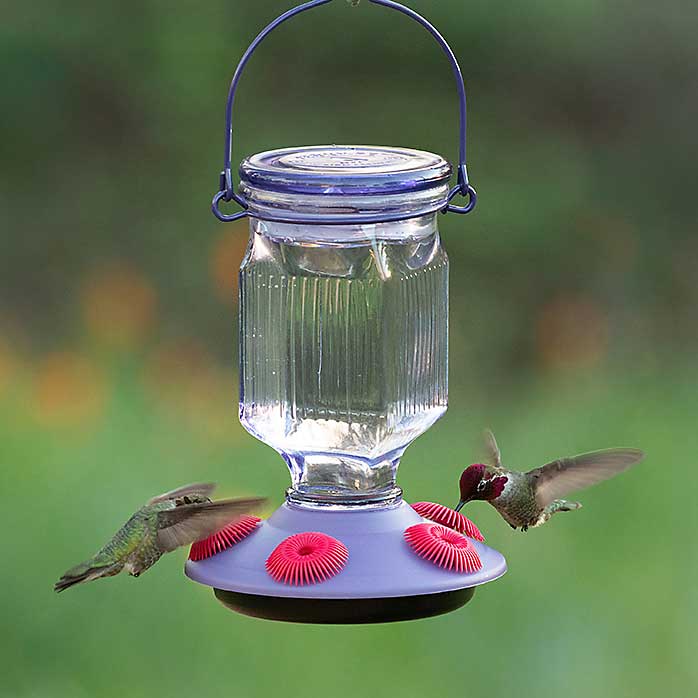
[(347, 158)]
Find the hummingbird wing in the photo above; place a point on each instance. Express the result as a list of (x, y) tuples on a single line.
[(188, 523), (559, 478), (493, 454), (205, 489)]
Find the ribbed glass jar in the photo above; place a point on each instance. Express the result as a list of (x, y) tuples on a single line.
[(343, 346)]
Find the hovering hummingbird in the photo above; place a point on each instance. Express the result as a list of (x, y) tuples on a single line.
[(527, 500), (165, 522)]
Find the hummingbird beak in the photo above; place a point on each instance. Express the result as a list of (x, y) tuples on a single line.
[(461, 504)]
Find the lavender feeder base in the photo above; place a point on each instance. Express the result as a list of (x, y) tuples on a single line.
[(383, 580)]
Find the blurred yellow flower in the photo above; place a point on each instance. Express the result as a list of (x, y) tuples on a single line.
[(119, 306), (69, 390)]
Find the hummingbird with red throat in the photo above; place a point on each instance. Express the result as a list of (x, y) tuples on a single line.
[(528, 499)]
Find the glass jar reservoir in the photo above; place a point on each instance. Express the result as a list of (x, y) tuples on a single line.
[(343, 321)]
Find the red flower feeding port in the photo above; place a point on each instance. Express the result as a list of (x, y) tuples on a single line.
[(307, 558), (440, 514), (230, 535), (444, 547)]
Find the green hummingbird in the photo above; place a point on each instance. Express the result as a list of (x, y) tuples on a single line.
[(168, 521), (527, 500)]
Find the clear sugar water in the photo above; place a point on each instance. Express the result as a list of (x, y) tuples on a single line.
[(343, 352)]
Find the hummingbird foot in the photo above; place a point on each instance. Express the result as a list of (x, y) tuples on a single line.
[(554, 507)]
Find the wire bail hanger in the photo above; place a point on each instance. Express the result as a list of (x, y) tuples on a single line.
[(226, 186)]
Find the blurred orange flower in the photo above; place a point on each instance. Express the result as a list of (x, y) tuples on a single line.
[(175, 366), (226, 254), (119, 306), (69, 390), (571, 332)]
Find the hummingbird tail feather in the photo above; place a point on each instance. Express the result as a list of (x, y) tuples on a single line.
[(85, 572)]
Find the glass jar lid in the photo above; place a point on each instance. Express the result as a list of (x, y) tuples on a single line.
[(337, 183)]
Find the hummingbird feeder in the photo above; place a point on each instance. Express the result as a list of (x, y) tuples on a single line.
[(343, 363)]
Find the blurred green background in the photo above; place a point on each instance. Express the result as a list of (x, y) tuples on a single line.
[(574, 327)]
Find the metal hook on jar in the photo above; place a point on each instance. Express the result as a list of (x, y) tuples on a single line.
[(465, 189)]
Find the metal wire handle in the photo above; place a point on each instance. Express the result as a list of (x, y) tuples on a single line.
[(227, 189)]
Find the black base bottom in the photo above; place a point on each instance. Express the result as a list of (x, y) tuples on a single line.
[(344, 611)]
